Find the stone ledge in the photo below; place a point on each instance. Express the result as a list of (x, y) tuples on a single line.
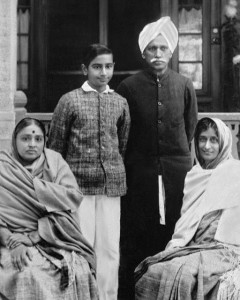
[(225, 116)]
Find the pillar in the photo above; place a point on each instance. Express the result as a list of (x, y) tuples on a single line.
[(8, 63)]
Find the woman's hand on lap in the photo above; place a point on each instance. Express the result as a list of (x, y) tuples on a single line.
[(17, 239), (21, 255)]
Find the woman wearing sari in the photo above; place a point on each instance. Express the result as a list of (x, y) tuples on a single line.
[(43, 254), (202, 258)]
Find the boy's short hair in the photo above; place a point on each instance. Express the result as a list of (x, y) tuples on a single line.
[(93, 51)]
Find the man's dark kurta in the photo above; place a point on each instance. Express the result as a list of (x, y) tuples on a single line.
[(163, 117)]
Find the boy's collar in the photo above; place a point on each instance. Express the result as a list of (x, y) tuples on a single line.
[(87, 88)]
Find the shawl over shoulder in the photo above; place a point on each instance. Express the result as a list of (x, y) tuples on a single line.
[(218, 189), (47, 204)]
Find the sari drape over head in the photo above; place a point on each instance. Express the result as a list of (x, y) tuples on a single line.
[(44, 197), (210, 192)]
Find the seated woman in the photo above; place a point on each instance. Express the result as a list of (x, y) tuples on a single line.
[(43, 254), (206, 241)]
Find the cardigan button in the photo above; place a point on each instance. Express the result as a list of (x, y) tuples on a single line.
[(159, 103)]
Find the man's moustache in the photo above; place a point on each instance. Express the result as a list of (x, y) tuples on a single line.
[(157, 59)]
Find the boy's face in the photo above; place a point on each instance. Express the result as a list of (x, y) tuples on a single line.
[(99, 71)]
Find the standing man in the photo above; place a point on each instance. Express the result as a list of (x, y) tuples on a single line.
[(163, 109)]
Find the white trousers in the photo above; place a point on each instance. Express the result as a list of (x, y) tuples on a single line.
[(100, 224)]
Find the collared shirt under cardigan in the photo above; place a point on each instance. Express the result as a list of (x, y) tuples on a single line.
[(90, 130)]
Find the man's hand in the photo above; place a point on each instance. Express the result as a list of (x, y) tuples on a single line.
[(21, 255), (17, 239)]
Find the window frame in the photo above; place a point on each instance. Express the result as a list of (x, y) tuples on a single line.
[(29, 35), (206, 50)]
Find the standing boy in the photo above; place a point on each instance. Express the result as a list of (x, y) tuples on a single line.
[(90, 127)]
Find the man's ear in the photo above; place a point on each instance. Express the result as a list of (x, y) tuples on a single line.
[(84, 69)]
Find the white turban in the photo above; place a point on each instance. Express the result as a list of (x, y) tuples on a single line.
[(163, 26)]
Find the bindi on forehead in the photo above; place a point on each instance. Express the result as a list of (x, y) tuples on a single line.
[(33, 131)]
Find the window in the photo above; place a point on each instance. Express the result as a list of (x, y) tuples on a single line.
[(191, 41), (23, 33)]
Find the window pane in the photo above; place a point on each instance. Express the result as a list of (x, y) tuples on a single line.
[(22, 48), (190, 48), (192, 71), (23, 21), (190, 21), (22, 76)]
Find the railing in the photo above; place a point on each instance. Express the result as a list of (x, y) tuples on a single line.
[(232, 120)]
